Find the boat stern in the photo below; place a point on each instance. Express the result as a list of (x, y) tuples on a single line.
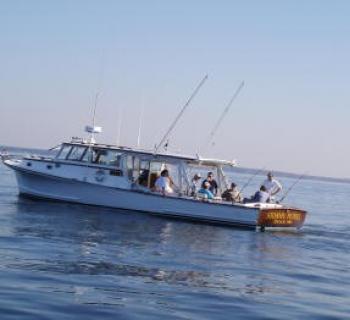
[(281, 218)]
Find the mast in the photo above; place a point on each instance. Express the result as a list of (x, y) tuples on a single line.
[(140, 125), (119, 125), (92, 130)]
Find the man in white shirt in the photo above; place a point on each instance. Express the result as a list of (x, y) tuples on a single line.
[(163, 183), (272, 185)]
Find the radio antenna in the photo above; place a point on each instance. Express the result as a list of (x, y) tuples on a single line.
[(226, 110), (140, 125), (94, 111), (100, 78), (120, 125), (92, 130), (165, 137)]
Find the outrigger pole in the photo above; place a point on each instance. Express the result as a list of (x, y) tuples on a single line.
[(226, 110), (291, 187), (251, 178), (180, 114)]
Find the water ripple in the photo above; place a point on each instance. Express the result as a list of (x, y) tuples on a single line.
[(62, 261)]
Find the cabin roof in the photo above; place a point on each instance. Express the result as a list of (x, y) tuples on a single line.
[(161, 156)]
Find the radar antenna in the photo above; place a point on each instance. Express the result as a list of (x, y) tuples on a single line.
[(93, 129)]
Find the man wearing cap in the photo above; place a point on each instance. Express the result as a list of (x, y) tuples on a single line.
[(272, 185)]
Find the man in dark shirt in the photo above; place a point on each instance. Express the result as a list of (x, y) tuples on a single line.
[(261, 196), (213, 184)]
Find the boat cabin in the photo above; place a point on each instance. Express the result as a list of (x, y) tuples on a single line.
[(141, 168)]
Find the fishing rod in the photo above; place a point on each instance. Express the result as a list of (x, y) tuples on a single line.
[(292, 186), (226, 110), (165, 137), (252, 177)]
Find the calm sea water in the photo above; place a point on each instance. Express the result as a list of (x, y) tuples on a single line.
[(64, 261)]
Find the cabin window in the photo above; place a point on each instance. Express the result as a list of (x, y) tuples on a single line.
[(144, 165), (115, 158), (133, 167), (156, 166), (109, 157), (136, 163), (97, 155), (87, 156), (129, 162), (77, 153), (117, 173), (64, 152), (103, 156), (144, 173)]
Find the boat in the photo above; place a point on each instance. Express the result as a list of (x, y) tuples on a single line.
[(90, 173)]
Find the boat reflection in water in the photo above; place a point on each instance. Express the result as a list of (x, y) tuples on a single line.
[(124, 244)]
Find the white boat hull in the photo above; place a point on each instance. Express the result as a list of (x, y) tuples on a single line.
[(71, 190)]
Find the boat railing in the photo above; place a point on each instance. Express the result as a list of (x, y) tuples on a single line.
[(37, 157), (8, 156)]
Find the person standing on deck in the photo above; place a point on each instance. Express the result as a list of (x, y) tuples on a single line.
[(272, 185)]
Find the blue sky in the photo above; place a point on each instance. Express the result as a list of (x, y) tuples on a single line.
[(292, 114)]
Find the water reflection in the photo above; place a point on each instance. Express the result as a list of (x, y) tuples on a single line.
[(98, 241), (58, 253)]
